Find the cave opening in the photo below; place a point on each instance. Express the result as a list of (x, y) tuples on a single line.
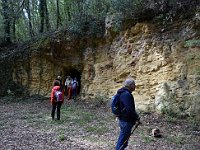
[(73, 73)]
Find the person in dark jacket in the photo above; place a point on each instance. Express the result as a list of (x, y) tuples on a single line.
[(129, 116), (58, 79)]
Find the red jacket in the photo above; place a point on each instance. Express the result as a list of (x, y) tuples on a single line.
[(56, 88)]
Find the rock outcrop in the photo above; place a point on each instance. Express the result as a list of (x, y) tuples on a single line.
[(165, 63)]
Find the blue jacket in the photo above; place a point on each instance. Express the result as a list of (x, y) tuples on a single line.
[(127, 105)]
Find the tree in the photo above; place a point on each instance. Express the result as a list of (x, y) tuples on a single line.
[(44, 16), (6, 11), (15, 13), (23, 19), (47, 16), (58, 14), (28, 11)]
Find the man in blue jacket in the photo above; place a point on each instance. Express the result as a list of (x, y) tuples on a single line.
[(128, 116)]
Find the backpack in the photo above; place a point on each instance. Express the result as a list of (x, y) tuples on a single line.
[(58, 96), (115, 105), (74, 85)]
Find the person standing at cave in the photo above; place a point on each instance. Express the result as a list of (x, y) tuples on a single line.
[(59, 79), (57, 99), (68, 86), (74, 88)]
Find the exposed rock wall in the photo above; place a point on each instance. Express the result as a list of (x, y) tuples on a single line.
[(165, 64), (32, 70), (165, 68)]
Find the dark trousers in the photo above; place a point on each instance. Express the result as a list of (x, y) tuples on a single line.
[(125, 132), (56, 106)]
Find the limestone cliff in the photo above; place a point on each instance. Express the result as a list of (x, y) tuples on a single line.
[(165, 67), (165, 63)]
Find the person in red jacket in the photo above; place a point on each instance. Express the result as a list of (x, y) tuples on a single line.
[(57, 99)]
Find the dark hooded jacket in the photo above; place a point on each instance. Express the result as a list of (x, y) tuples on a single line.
[(127, 105)]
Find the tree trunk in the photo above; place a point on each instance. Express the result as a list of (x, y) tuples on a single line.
[(6, 21), (13, 22), (46, 16), (14, 29), (68, 13), (58, 14), (29, 19), (41, 11)]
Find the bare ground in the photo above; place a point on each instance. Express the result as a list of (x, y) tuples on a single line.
[(25, 124)]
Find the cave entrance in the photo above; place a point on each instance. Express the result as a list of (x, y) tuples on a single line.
[(73, 73)]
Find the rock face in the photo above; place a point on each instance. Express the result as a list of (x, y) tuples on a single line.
[(32, 70), (165, 64)]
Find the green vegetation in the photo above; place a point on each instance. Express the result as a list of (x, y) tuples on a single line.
[(175, 139), (194, 124), (194, 61), (191, 58), (197, 70), (61, 137), (77, 115), (192, 43), (170, 112), (100, 99), (170, 104), (97, 129), (146, 138), (172, 119), (26, 20)]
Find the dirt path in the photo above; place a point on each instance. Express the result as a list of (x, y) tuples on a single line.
[(26, 125)]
